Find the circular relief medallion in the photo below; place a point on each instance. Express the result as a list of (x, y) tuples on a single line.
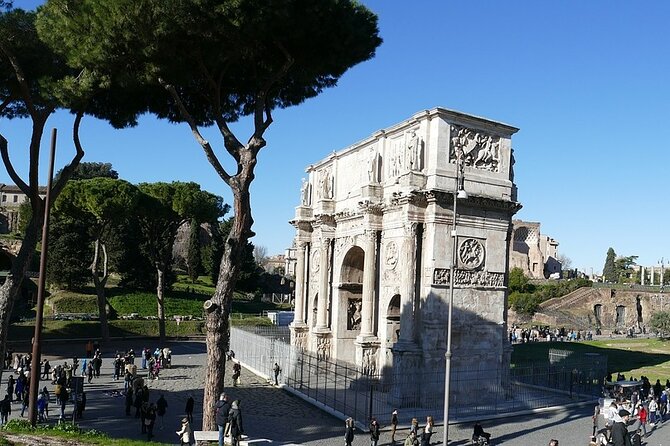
[(316, 261), (471, 253), (391, 255)]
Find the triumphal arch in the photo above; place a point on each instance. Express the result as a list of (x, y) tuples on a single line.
[(374, 246)]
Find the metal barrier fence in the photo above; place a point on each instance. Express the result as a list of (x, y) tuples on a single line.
[(478, 392)]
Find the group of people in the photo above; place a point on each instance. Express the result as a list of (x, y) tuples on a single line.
[(18, 389), (229, 419), (416, 436), (644, 408), (545, 333)]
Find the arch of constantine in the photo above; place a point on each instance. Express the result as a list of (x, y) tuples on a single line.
[(374, 247)]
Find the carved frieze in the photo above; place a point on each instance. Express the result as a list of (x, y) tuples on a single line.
[(469, 278), (479, 150), (300, 339), (322, 348), (369, 363)]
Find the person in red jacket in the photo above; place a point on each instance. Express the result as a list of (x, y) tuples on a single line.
[(642, 417)]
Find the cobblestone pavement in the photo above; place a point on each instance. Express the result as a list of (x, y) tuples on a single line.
[(274, 414)]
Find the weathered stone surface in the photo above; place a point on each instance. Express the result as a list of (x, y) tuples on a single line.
[(385, 207)]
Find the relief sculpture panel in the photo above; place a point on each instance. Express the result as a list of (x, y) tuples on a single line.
[(478, 149)]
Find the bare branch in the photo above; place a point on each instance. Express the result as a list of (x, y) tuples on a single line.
[(211, 156), (10, 168), (68, 170)]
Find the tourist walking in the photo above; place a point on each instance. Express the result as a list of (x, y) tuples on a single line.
[(150, 420), (190, 403), (237, 372), (5, 409), (222, 410), (348, 431), (374, 432), (620, 436), (394, 424), (161, 407), (427, 431), (235, 423), (411, 439), (642, 418), (277, 370), (185, 434)]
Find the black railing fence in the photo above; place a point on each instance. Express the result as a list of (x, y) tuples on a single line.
[(479, 392)]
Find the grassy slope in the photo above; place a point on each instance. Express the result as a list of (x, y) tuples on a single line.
[(649, 357)]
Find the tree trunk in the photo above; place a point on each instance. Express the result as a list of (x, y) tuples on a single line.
[(160, 291), (217, 323), (12, 286), (100, 283)]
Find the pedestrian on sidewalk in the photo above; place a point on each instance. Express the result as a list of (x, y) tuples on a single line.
[(185, 434), (348, 431), (394, 424), (235, 422), (222, 410), (161, 407), (277, 370), (374, 432), (5, 409)]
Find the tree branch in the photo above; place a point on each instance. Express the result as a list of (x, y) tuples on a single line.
[(5, 103), (68, 170), (21, 78), (262, 112), (10, 168), (211, 156)]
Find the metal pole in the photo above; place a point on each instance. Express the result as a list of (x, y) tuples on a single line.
[(452, 271), (37, 347)]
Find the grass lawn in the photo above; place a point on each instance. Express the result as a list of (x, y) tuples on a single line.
[(648, 357)]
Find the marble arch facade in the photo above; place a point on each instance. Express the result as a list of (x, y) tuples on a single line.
[(374, 227)]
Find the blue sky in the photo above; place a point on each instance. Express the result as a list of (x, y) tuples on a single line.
[(585, 81)]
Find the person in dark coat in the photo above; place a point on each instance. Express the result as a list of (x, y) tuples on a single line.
[(348, 431), (161, 408), (222, 409), (129, 400), (235, 422), (620, 436), (5, 409), (190, 402), (374, 432), (10, 385)]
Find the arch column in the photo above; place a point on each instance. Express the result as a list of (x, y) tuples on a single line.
[(407, 310), (322, 303), (299, 319), (298, 326)]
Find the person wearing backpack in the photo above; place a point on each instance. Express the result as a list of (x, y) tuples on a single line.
[(235, 423), (222, 410)]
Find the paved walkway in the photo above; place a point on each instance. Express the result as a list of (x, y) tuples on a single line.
[(272, 413)]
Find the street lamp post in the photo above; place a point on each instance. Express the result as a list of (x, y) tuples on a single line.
[(459, 193)]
